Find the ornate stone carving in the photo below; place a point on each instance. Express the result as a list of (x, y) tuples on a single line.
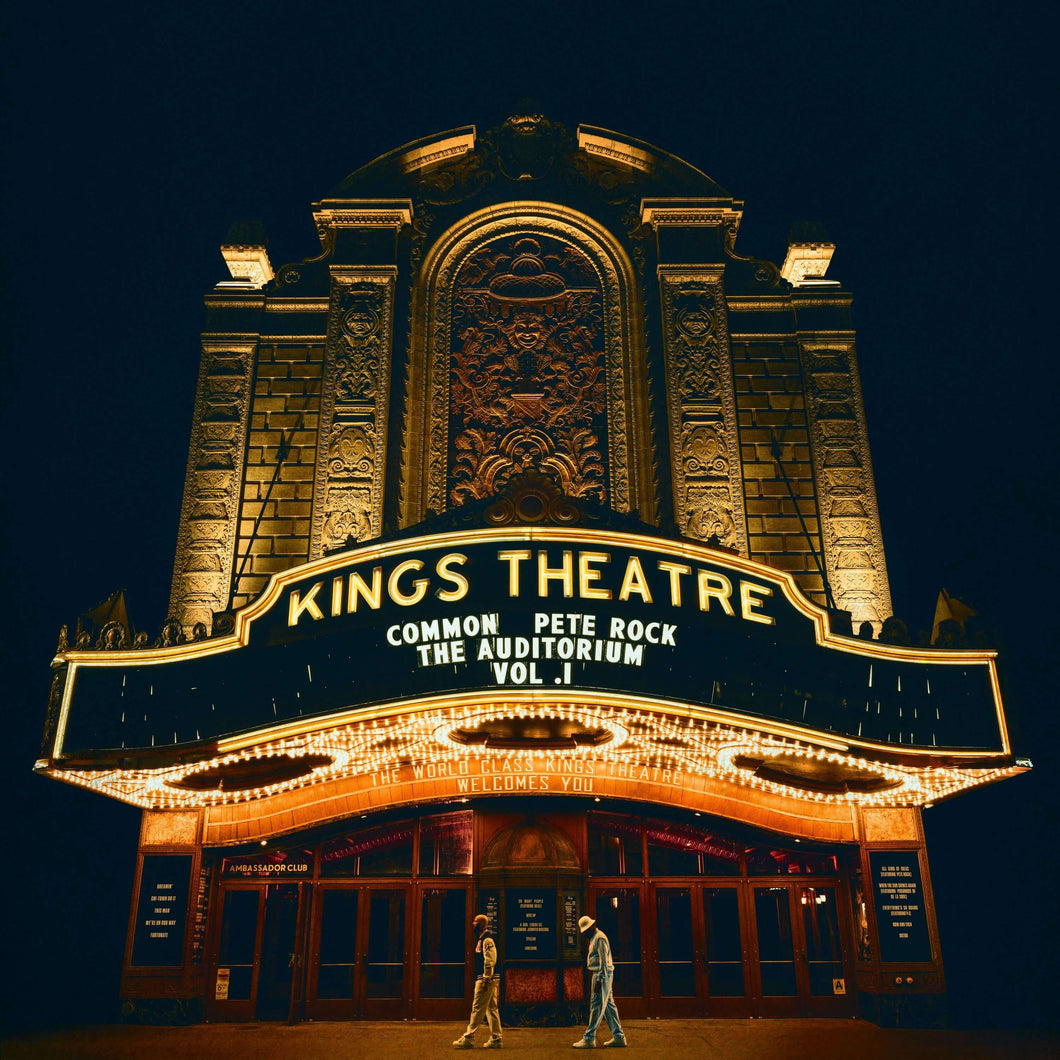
[(206, 539), (710, 515), (351, 450), (850, 523), (348, 515), (178, 829), (567, 368), (355, 342), (527, 381), (708, 498), (704, 451), (348, 497), (890, 826)]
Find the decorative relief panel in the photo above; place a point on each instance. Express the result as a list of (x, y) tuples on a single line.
[(890, 826), (169, 829), (853, 543), (202, 570), (701, 405), (527, 385), (348, 496), (528, 330)]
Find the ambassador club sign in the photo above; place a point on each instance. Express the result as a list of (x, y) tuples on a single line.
[(530, 613)]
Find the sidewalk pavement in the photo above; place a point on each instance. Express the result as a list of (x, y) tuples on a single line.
[(670, 1039)]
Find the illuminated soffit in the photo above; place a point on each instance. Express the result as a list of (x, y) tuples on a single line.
[(781, 764)]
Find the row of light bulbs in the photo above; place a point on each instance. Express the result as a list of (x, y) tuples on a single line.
[(689, 745)]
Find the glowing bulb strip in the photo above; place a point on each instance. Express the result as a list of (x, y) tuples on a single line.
[(697, 747)]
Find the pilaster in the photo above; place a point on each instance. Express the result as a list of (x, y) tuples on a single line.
[(202, 570), (701, 406), (850, 519), (348, 499), (355, 392)]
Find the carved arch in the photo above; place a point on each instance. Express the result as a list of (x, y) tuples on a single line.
[(425, 452)]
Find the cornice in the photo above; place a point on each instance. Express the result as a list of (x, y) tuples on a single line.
[(771, 303), (296, 305), (284, 339), (231, 300), (437, 151), (615, 150), (363, 213), (715, 213), (841, 298)]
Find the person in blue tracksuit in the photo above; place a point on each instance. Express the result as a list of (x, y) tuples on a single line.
[(601, 1000)]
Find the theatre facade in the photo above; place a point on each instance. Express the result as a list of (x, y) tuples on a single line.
[(530, 563)]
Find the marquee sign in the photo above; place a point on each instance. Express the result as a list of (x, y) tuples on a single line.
[(531, 614)]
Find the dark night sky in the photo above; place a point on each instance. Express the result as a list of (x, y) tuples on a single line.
[(918, 137)]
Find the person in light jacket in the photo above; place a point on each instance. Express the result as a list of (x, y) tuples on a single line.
[(487, 987), (601, 1000)]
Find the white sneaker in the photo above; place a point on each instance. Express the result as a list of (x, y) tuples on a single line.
[(585, 1043)]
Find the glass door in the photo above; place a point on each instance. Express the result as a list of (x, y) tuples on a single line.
[(676, 986), (723, 955), (701, 965), (799, 951), (618, 912), (358, 954), (775, 951), (257, 964), (827, 983), (445, 972), (231, 993), (385, 954), (280, 959), (335, 973)]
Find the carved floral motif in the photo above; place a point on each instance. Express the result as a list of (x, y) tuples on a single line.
[(624, 445), (355, 343), (348, 516), (351, 449)]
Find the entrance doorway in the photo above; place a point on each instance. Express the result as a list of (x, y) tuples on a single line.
[(258, 961), (799, 955), (724, 949), (358, 953), (378, 924)]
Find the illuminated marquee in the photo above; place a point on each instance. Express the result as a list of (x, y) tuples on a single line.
[(531, 614)]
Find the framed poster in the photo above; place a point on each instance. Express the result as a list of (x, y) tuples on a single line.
[(161, 910), (531, 924), (901, 918)]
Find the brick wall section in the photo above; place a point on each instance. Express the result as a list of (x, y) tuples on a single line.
[(286, 401), (769, 397)]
